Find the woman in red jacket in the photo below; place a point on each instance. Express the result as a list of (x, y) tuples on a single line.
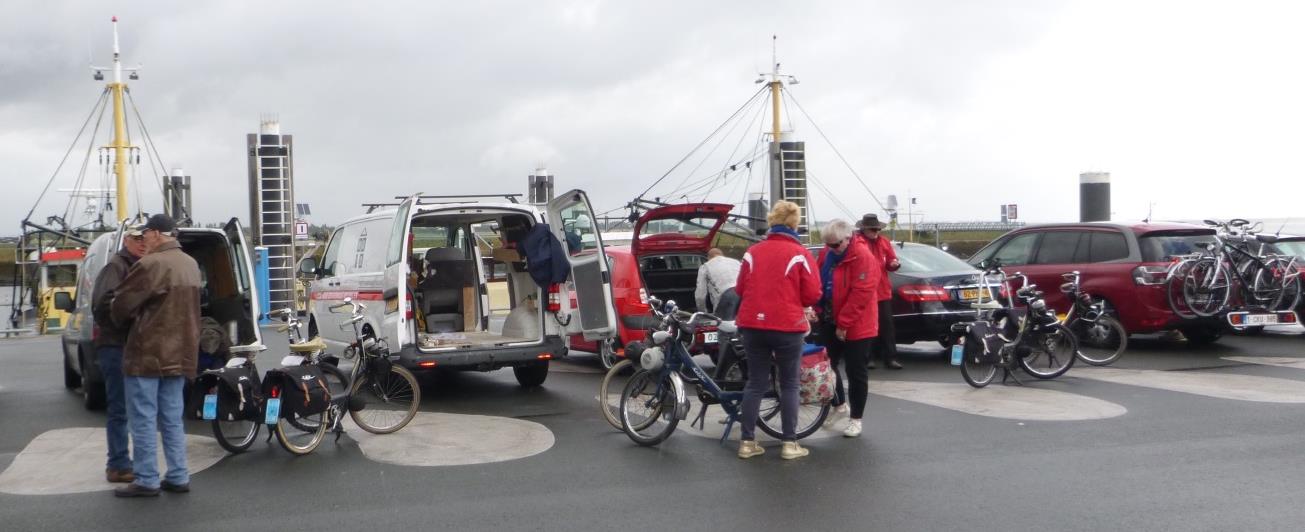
[(848, 306), (777, 282)]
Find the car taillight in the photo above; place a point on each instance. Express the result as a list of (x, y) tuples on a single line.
[(554, 298), (1150, 275), (923, 292), (643, 295)]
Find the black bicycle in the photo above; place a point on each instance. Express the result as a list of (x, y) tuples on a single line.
[(1005, 337), (1101, 338)]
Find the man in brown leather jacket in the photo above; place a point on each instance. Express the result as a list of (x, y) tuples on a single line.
[(108, 349), (159, 298)]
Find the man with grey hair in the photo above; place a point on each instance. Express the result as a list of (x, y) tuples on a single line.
[(159, 300), (716, 279)]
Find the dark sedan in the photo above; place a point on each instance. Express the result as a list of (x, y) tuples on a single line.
[(931, 291)]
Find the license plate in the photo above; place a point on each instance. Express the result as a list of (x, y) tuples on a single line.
[(273, 411), (969, 293), (1261, 319), (957, 351), (210, 406), (709, 337)]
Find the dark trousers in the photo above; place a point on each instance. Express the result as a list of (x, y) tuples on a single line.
[(115, 404), (885, 345), (854, 354), (783, 350)]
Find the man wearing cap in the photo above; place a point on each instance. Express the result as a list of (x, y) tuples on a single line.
[(108, 349), (886, 257), (159, 298)]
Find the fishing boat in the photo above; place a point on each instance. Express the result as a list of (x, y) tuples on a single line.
[(50, 251)]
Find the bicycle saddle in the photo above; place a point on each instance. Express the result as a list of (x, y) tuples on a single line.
[(311, 346), (1267, 239)]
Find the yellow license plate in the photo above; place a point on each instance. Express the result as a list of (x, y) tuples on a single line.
[(969, 293)]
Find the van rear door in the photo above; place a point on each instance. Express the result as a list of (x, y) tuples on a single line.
[(245, 279), (572, 222), (397, 304)]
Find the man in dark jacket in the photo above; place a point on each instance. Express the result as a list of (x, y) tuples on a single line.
[(160, 299), (108, 349)]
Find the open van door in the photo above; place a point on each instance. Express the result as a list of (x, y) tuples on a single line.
[(399, 303), (251, 339), (572, 222)]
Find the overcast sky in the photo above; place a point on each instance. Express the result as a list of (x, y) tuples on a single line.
[(1193, 107)]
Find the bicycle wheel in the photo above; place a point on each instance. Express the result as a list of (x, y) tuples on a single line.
[(1100, 342), (1206, 288), (648, 408), (976, 369), (1277, 285), (809, 417), (609, 392), (236, 436), (1174, 289), (1051, 352), (291, 435), (386, 403)]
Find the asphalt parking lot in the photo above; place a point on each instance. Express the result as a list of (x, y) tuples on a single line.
[(1171, 437)]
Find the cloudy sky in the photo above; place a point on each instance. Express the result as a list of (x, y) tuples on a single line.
[(1193, 107)]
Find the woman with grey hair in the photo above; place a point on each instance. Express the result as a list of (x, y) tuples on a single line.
[(849, 318)]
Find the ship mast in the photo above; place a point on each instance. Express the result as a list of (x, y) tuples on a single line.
[(787, 158), (117, 88)]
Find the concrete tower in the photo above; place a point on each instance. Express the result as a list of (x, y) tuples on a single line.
[(1094, 197), (272, 207)]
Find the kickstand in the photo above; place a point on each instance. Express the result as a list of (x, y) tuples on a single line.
[(701, 420), (729, 426), (269, 433), (1011, 375)]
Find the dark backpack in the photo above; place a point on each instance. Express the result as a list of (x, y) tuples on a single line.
[(302, 389), (238, 392)]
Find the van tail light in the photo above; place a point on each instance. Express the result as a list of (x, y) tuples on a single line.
[(555, 298), (1150, 275), (643, 295), (408, 305), (916, 293)]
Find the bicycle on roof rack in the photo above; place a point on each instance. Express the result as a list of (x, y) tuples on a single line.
[(1202, 284)]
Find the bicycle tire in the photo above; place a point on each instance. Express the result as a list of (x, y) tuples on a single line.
[(612, 382), (648, 396), (400, 389), (1057, 346), (1100, 343), (1276, 285), (1174, 289), (236, 436), (975, 369), (810, 417), (297, 441), (1206, 288)]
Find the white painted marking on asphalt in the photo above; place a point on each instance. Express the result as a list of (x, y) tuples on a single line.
[(1282, 362), (438, 439), (71, 460), (1209, 384), (1009, 402)]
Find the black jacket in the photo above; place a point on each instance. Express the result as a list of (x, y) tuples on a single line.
[(102, 295), (545, 258)]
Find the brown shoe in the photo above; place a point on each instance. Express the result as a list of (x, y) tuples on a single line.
[(117, 476), (135, 490)]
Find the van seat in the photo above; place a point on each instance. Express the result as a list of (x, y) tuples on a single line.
[(448, 272)]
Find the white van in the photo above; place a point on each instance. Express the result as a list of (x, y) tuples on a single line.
[(432, 307)]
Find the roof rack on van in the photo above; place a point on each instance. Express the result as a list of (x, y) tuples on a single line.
[(373, 206)]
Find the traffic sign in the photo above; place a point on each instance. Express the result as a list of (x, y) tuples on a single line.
[(301, 230)]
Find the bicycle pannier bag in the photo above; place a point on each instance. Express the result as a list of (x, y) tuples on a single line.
[(237, 389), (303, 389), (984, 342), (816, 378)]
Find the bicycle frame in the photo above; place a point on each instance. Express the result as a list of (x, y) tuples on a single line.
[(679, 359)]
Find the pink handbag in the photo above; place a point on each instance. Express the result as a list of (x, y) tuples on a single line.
[(816, 378)]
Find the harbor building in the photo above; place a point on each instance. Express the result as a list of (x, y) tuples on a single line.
[(272, 207)]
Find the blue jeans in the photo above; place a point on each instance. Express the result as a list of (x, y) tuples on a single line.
[(154, 405), (116, 404)]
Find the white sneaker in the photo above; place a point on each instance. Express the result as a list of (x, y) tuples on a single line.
[(853, 428), (836, 413)]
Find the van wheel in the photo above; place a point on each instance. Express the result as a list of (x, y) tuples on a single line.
[(312, 328), (532, 374), (71, 380), (93, 394)]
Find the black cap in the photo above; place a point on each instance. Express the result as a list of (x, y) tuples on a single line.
[(161, 223), (870, 221)]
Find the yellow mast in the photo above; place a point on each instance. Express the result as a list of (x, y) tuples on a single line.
[(118, 88), (774, 108)]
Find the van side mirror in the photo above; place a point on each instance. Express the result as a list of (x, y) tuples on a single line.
[(63, 301), (308, 266)]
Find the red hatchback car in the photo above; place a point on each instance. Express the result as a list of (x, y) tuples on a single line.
[(668, 245), (1123, 264)]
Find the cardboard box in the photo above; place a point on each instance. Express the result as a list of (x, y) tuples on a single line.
[(470, 318)]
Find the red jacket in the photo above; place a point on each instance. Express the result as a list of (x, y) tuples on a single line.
[(883, 251), (777, 282), (856, 280)]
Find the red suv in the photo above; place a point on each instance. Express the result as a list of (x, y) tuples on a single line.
[(668, 245), (1123, 264)]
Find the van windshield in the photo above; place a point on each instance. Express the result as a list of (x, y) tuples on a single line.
[(1160, 247)]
